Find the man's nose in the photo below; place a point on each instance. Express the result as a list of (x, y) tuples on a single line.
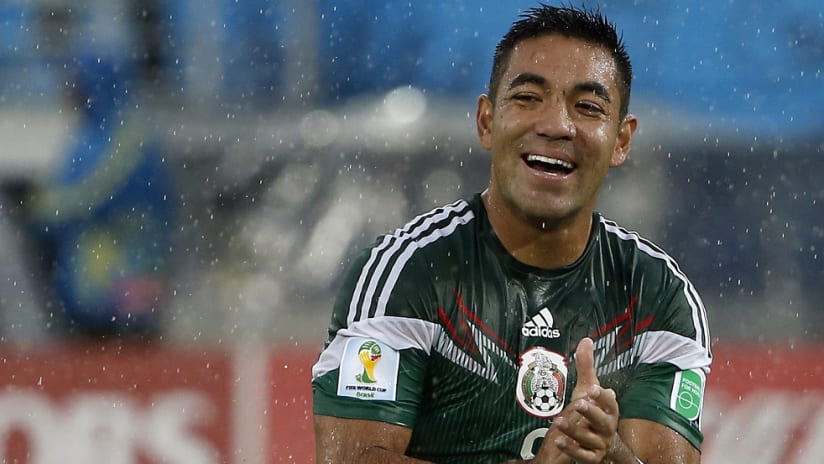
[(555, 120)]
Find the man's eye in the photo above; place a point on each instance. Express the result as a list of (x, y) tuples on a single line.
[(525, 97), (590, 107)]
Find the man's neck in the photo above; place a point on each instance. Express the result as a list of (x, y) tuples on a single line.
[(547, 244)]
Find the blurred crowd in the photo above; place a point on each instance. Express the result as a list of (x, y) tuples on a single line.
[(200, 171)]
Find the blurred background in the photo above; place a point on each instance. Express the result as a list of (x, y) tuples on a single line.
[(200, 172)]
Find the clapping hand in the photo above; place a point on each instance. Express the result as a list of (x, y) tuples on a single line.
[(587, 429)]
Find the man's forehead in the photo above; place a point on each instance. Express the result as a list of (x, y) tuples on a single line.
[(557, 56)]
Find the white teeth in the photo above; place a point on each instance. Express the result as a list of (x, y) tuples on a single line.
[(548, 160)]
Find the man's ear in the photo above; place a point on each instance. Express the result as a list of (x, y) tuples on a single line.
[(623, 143), (483, 121)]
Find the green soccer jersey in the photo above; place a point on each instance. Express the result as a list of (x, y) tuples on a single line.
[(438, 328)]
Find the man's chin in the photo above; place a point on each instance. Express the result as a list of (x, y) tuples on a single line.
[(546, 210)]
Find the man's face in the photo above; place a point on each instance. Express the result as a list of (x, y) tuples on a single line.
[(554, 129)]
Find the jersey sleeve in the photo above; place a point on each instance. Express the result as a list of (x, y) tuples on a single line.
[(375, 359), (672, 397), (673, 357), (392, 395)]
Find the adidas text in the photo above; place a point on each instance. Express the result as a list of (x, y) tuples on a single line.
[(544, 332)]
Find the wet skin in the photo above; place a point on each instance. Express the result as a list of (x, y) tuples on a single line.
[(553, 131)]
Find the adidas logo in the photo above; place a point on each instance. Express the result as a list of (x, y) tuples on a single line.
[(540, 325)]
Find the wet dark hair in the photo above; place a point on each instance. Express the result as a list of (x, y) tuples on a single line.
[(591, 26)]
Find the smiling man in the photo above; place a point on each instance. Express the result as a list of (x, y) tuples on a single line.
[(520, 325), (554, 125)]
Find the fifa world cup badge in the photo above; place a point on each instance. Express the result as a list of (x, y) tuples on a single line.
[(368, 370), (541, 382)]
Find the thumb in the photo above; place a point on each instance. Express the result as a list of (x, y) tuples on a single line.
[(585, 364)]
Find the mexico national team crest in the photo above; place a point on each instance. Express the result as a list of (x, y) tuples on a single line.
[(541, 382)]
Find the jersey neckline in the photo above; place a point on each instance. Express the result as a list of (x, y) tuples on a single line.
[(491, 237)]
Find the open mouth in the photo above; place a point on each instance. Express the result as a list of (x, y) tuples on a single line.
[(548, 164)]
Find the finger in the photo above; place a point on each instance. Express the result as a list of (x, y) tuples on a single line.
[(570, 418), (579, 442), (585, 363), (558, 443), (601, 414), (603, 397), (605, 416), (578, 427), (579, 454)]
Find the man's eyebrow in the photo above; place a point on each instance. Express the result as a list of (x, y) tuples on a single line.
[(587, 86), (595, 87), (527, 78)]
